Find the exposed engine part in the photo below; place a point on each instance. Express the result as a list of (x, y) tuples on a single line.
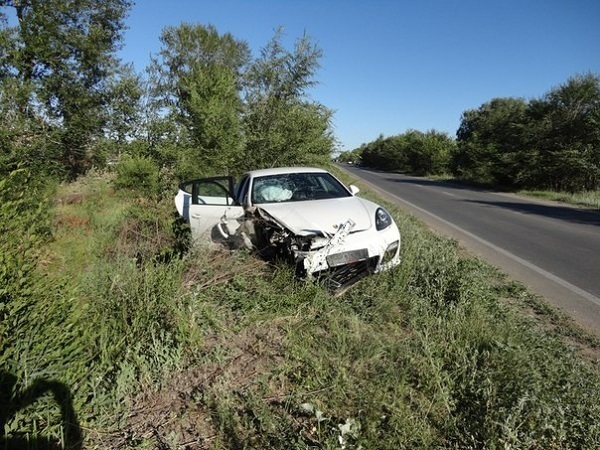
[(318, 260)]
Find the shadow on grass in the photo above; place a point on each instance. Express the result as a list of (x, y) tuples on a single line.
[(12, 401)]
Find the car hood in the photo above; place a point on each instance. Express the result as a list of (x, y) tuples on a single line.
[(320, 216)]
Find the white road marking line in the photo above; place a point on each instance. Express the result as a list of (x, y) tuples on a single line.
[(550, 276)]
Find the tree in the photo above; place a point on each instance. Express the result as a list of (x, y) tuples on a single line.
[(65, 49), (124, 112), (282, 126), (23, 135), (412, 152), (351, 156), (490, 142), (196, 80), (568, 135), (547, 143), (427, 153), (228, 113)]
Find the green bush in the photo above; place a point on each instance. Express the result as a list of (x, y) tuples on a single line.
[(138, 173)]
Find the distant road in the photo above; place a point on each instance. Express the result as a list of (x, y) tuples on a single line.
[(551, 248)]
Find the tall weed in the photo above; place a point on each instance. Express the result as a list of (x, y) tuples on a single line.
[(157, 345)]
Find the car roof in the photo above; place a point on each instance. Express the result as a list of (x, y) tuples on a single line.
[(284, 170)]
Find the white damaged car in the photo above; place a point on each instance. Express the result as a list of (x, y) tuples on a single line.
[(301, 214)]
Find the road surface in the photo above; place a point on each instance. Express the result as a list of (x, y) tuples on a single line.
[(551, 248)]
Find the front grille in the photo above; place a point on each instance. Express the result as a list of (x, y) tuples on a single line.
[(340, 277)]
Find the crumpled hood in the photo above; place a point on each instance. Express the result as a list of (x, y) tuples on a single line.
[(309, 217)]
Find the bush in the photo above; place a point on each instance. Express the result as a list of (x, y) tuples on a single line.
[(138, 173), (411, 152)]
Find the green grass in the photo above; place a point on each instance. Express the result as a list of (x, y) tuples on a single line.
[(158, 347), (588, 199)]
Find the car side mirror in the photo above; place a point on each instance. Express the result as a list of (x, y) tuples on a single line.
[(354, 189)]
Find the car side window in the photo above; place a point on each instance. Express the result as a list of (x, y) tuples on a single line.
[(211, 193)]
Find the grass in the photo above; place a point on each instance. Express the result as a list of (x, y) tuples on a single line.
[(585, 199), (588, 199), (158, 346)]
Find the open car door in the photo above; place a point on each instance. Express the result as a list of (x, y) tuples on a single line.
[(209, 206)]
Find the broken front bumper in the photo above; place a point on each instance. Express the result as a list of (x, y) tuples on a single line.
[(347, 257)]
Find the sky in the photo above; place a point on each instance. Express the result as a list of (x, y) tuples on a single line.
[(389, 66)]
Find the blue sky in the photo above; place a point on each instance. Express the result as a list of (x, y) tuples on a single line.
[(393, 65)]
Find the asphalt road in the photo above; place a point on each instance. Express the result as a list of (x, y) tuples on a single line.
[(552, 249)]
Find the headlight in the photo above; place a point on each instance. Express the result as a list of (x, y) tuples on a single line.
[(390, 252), (382, 219)]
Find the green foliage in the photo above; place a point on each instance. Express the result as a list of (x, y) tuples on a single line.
[(227, 113), (440, 352), (94, 318), (411, 152), (45, 339), (287, 134), (138, 173), (63, 51), (25, 224), (213, 118), (206, 107), (125, 110), (589, 199), (547, 143), (143, 338), (136, 341), (567, 136), (25, 141), (196, 77), (30, 310), (281, 126), (352, 156), (491, 142), (281, 73), (422, 357)]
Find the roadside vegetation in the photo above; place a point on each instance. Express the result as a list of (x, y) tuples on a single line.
[(116, 333), (549, 146), (158, 345), (586, 199)]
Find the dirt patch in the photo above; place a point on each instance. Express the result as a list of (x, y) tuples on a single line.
[(73, 222), (180, 415), (71, 199)]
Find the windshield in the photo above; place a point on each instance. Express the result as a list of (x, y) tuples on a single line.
[(295, 187)]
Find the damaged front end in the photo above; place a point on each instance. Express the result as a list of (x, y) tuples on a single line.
[(334, 263), (317, 255)]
